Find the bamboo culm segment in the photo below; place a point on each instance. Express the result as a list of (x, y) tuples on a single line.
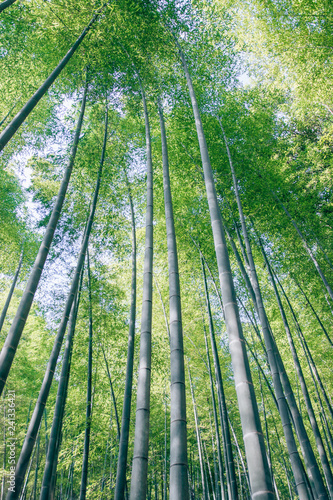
[(220, 491)]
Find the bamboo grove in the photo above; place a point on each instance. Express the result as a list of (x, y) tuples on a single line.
[(166, 285)]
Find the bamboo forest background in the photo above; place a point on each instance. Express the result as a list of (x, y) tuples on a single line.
[(259, 75)]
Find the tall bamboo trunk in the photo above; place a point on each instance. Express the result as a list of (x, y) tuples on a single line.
[(9, 112), (241, 244), (296, 417), (326, 431), (69, 494), (276, 366), (315, 383), (104, 464), (306, 246), (230, 466), (299, 371), (113, 397), (165, 473), (84, 475), (5, 4), (314, 312), (281, 459), (64, 392), (307, 451), (46, 437), (125, 419), (11, 291), (259, 473), (17, 121), (244, 274), (216, 422), (204, 449), (50, 468), (16, 329), (178, 435), (217, 489), (197, 432), (329, 303), (308, 354), (36, 469), (24, 490), (239, 451), (29, 441), (269, 455), (323, 251), (141, 439)]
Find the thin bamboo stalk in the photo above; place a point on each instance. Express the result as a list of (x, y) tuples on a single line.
[(17, 121), (86, 447), (5, 4), (141, 438), (178, 432), (197, 431), (125, 420), (11, 291)]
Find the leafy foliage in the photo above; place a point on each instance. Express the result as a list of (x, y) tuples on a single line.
[(280, 133)]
